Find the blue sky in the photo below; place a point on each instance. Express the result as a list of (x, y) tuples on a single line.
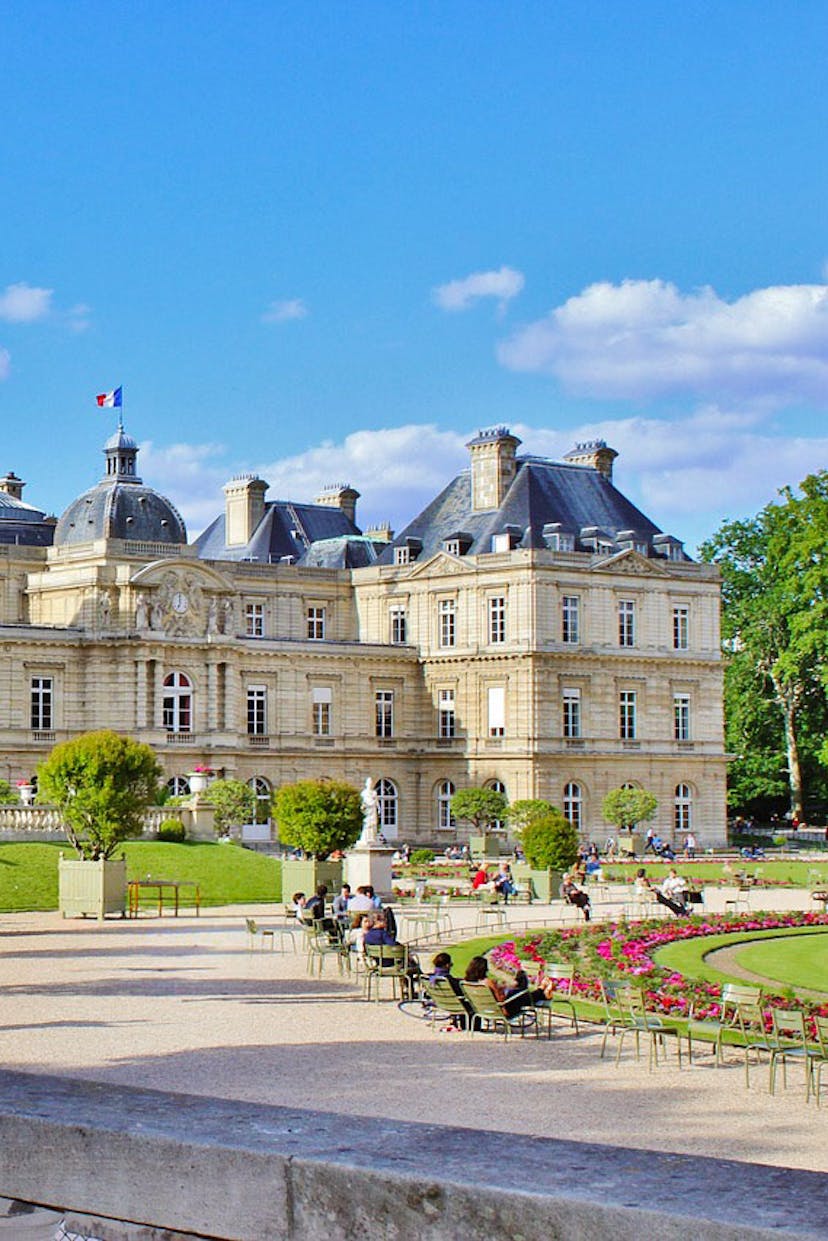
[(327, 242)]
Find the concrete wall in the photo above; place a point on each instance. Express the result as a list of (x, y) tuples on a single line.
[(164, 1163)]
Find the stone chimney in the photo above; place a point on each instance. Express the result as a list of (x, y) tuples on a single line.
[(596, 455), (493, 467), (340, 495), (380, 532), (12, 485), (244, 506)]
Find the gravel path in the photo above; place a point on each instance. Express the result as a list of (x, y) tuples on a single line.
[(183, 1005)]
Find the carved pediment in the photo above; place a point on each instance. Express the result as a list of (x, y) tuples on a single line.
[(631, 562), (441, 564), (183, 599)]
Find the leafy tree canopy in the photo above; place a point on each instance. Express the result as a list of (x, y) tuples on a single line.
[(478, 806), (550, 842), (318, 816), (8, 793), (624, 807), (524, 811), (775, 634), (234, 803), (102, 783)]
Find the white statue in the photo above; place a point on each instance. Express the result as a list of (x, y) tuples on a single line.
[(141, 612), (229, 616), (212, 616), (106, 608), (370, 817)]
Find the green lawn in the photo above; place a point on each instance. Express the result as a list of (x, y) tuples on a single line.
[(226, 874), (795, 960), (689, 956), (793, 872)]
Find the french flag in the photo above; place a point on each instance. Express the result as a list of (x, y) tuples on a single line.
[(109, 400)]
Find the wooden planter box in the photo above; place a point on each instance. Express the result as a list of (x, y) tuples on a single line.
[(91, 889), (306, 875), (543, 884)]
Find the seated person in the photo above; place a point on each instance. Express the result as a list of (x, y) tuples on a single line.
[(512, 999), (355, 938), (441, 972), (480, 879), (673, 893), (360, 902), (575, 895), (299, 900), (503, 883), (378, 935), (340, 903), (315, 910), (643, 888)]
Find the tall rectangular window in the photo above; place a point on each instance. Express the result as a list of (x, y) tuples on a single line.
[(681, 717), (572, 713), (445, 712), (316, 624), (626, 622), (254, 620), (256, 711), (41, 703), (399, 625), (384, 712), (497, 619), (322, 701), (497, 710), (571, 619), (681, 627), (626, 715), (448, 618)]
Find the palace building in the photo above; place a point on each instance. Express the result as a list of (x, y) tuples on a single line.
[(531, 630)]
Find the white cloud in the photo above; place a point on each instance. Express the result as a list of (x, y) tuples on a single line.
[(283, 312), (686, 475), (503, 284), (646, 339), (23, 303)]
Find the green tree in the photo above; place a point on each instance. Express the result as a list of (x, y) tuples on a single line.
[(550, 842), (478, 806), (775, 635), (524, 811), (234, 803), (102, 783), (624, 807), (8, 793), (318, 816)]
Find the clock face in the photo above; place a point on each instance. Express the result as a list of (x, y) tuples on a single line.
[(180, 602)]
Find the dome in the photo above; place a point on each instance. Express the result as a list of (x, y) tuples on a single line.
[(120, 506)]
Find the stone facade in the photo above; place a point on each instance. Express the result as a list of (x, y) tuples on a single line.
[(559, 667)]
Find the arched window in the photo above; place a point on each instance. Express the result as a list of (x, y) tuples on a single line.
[(261, 791), (497, 786), (178, 703), (445, 792), (387, 795), (683, 809), (573, 804), (178, 786)]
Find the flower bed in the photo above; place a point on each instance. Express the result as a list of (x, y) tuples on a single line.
[(625, 950)]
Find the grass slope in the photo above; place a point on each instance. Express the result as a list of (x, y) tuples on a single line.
[(795, 961), (689, 956), (226, 874)]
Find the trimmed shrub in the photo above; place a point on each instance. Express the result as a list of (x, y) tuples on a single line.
[(421, 857), (172, 830)]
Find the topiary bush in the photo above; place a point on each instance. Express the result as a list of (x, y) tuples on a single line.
[(550, 842), (421, 857), (172, 830)]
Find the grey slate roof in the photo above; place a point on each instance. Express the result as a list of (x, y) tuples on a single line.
[(542, 493), (121, 510), (23, 524), (286, 529)]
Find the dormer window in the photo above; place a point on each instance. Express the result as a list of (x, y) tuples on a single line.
[(402, 555), (507, 539), (669, 546), (557, 539), (452, 546), (457, 544)]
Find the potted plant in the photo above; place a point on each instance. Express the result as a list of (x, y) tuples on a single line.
[(317, 818), (550, 844), (101, 782), (26, 792), (233, 803), (624, 808), (481, 807), (199, 778)]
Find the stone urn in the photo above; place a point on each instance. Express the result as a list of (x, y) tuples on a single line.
[(27, 794)]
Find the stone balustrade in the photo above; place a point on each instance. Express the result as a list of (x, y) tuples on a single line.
[(44, 822)]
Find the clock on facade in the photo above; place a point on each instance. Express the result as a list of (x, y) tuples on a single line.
[(180, 602)]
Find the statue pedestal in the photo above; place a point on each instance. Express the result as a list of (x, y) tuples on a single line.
[(370, 864)]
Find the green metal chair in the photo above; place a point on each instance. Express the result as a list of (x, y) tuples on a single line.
[(791, 1044), (820, 1058), (564, 974), (386, 961), (320, 946), (446, 1000), (490, 1014)]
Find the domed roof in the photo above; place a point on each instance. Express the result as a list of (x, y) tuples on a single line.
[(120, 506)]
